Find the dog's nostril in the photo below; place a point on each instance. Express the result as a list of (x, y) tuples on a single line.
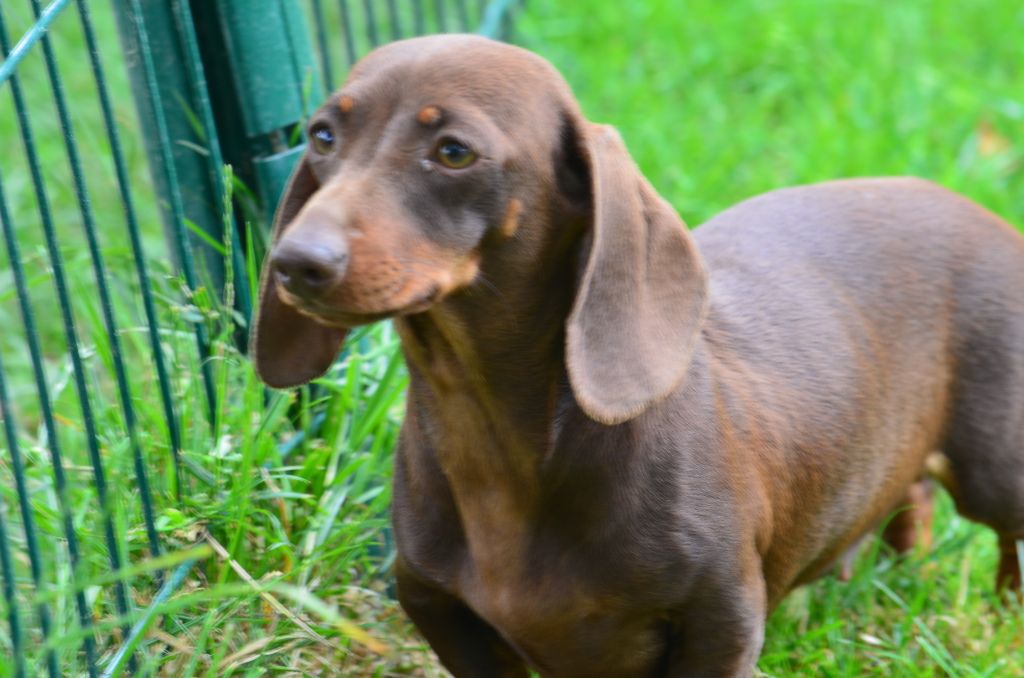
[(307, 270), (313, 276)]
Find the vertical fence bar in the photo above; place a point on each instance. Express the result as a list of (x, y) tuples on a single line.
[(439, 12), (506, 17), (18, 467), (177, 211), (394, 20), (274, 83), (215, 162), (305, 97), (99, 270), (9, 588), (25, 505), (463, 11), (346, 30), (321, 39), (371, 23), (497, 18), (142, 273), (56, 456), (204, 216), (419, 22)]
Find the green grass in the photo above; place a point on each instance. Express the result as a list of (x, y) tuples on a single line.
[(720, 101), (717, 101)]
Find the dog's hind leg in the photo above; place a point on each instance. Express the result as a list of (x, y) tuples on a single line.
[(984, 441), (912, 524), (1008, 576), (985, 474), (988, 487)]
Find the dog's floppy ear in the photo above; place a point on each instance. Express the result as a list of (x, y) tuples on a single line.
[(643, 292), (288, 348)]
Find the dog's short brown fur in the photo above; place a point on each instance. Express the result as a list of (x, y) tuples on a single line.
[(624, 442)]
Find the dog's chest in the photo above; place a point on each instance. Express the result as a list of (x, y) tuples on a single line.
[(572, 601), (563, 627), (569, 607)]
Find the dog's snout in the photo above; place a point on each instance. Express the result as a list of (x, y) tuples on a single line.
[(309, 269)]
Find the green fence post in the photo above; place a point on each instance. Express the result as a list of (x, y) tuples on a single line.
[(182, 115), (261, 54), (235, 81), (229, 81)]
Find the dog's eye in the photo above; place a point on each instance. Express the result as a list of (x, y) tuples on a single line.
[(454, 154), (322, 138)]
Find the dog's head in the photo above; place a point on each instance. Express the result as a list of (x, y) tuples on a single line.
[(436, 146)]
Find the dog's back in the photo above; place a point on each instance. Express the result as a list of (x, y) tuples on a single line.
[(874, 314)]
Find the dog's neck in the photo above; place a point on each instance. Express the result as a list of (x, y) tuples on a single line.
[(487, 369), (490, 367)]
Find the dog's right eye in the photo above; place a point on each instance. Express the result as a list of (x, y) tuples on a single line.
[(454, 154), (322, 138)]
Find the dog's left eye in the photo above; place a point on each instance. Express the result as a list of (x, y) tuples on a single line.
[(454, 154), (322, 138)]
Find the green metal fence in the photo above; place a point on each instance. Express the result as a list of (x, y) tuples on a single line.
[(123, 262)]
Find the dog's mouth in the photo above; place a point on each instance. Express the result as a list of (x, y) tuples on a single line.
[(333, 316)]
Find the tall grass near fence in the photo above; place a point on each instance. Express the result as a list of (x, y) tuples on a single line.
[(254, 501)]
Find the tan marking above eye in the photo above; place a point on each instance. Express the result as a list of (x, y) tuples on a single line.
[(429, 115), (346, 103)]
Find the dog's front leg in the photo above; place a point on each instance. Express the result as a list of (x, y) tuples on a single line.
[(466, 644), (720, 634)]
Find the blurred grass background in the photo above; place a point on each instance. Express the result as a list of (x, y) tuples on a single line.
[(717, 101)]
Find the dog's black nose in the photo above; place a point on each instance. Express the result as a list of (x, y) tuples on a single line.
[(309, 269)]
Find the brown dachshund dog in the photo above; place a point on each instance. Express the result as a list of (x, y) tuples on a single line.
[(624, 443)]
